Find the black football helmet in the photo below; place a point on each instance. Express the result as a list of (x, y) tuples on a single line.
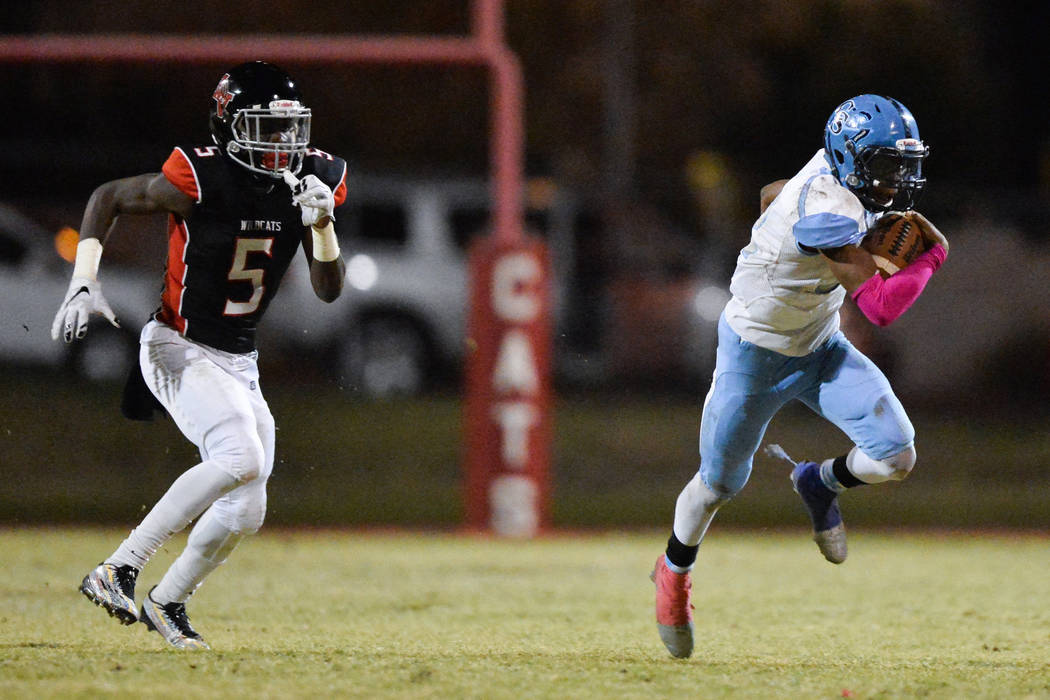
[(259, 121)]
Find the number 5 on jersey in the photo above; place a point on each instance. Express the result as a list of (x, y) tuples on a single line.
[(239, 272)]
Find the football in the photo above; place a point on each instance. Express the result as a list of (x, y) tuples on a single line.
[(894, 241)]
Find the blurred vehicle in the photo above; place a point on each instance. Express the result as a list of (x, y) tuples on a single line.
[(666, 330), (34, 278), (399, 325), (401, 319)]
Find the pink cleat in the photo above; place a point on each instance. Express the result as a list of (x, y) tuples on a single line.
[(674, 612)]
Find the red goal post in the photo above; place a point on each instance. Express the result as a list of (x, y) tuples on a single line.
[(488, 505)]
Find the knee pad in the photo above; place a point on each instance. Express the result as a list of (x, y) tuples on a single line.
[(896, 467), (252, 515), (698, 495), (901, 463), (243, 510), (725, 480), (238, 451)]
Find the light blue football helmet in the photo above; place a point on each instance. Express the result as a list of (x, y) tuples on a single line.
[(873, 146)]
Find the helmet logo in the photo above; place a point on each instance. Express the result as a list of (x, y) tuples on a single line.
[(222, 95), (258, 121), (840, 118)]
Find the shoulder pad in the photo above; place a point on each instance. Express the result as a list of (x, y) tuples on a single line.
[(829, 215), (826, 230), (179, 171), (823, 193), (195, 170), (330, 169)]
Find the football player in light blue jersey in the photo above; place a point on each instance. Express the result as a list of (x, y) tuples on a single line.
[(779, 339)]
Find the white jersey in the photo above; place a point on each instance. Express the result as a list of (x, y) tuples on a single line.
[(786, 299)]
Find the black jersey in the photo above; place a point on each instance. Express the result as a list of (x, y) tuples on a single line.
[(226, 260)]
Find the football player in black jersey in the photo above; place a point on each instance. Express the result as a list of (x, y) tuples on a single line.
[(239, 209)]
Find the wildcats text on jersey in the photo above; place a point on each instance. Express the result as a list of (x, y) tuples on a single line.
[(260, 225), (227, 257)]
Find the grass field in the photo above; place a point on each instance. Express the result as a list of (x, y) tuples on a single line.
[(618, 460), (326, 613)]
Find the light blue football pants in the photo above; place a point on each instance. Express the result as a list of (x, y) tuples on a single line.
[(751, 384)]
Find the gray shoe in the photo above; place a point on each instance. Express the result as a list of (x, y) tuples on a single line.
[(829, 532), (112, 588), (822, 504), (171, 622)]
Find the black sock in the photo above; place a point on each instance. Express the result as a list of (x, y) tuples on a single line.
[(845, 477), (680, 554)]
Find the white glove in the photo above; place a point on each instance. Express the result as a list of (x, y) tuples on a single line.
[(312, 196), (83, 298)]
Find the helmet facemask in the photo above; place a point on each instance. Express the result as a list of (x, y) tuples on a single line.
[(889, 178), (872, 146), (270, 140)]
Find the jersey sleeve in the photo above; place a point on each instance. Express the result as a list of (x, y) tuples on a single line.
[(830, 216), (340, 190), (180, 172), (330, 169)]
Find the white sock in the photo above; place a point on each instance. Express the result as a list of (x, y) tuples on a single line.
[(187, 498), (695, 508), (876, 471), (208, 546), (868, 470)]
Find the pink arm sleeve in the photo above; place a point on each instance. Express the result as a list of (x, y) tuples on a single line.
[(884, 300)]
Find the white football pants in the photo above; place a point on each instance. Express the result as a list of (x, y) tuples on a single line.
[(215, 400)]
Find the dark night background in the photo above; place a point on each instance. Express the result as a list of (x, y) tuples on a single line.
[(666, 116), (751, 81)]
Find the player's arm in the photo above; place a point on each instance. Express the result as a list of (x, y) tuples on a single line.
[(768, 193), (883, 300), (141, 194), (851, 265), (317, 202), (326, 272)]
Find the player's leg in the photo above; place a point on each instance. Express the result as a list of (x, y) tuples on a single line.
[(208, 545), (855, 395), (743, 398), (211, 413), (230, 519), (736, 414), (750, 385), (214, 413), (111, 585)]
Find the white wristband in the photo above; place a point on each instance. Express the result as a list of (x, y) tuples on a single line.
[(326, 245), (89, 254)]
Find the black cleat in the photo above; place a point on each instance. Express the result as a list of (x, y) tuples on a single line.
[(171, 622), (112, 588)]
